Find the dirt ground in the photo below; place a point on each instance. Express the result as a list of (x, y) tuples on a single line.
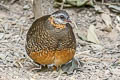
[(101, 61)]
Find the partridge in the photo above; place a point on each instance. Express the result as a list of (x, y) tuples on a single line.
[(50, 39)]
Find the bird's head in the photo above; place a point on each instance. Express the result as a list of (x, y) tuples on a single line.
[(59, 18)]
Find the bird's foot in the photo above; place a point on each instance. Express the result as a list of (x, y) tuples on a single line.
[(71, 66), (39, 68)]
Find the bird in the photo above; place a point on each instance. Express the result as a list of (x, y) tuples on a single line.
[(51, 40)]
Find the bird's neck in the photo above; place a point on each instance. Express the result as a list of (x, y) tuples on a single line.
[(60, 26)]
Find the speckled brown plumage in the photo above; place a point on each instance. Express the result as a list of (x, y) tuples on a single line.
[(46, 44)]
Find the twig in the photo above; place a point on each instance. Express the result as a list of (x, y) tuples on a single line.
[(75, 24), (2, 6), (118, 27), (62, 5), (37, 8), (57, 4), (35, 69), (102, 1), (92, 57), (97, 60), (109, 3), (21, 32), (83, 53), (13, 1)]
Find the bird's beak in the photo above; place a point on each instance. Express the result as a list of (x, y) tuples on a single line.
[(71, 21), (68, 20)]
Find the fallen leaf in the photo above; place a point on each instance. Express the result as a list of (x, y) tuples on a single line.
[(76, 3), (32, 79), (118, 27), (118, 18), (114, 8), (108, 29), (2, 14), (71, 66), (96, 47), (107, 19), (1, 35), (100, 25), (26, 7), (78, 55), (114, 35), (91, 36), (82, 37), (98, 9)]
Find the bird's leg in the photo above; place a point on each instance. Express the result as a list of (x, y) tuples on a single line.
[(54, 68), (39, 67), (58, 71), (36, 68)]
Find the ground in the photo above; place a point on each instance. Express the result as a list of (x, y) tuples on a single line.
[(101, 61)]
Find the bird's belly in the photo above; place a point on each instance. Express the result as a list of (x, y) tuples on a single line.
[(43, 57), (63, 56), (53, 57)]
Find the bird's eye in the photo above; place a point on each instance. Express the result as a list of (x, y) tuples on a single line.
[(62, 17)]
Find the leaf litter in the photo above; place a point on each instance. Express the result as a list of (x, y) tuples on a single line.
[(101, 62)]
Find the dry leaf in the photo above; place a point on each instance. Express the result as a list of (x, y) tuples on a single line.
[(108, 29), (92, 35), (96, 47), (82, 37), (107, 19), (118, 18), (114, 35), (118, 27), (32, 79), (114, 8), (71, 66), (2, 15), (1, 35), (98, 9), (118, 23)]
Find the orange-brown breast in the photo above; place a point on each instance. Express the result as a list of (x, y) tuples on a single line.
[(53, 57)]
